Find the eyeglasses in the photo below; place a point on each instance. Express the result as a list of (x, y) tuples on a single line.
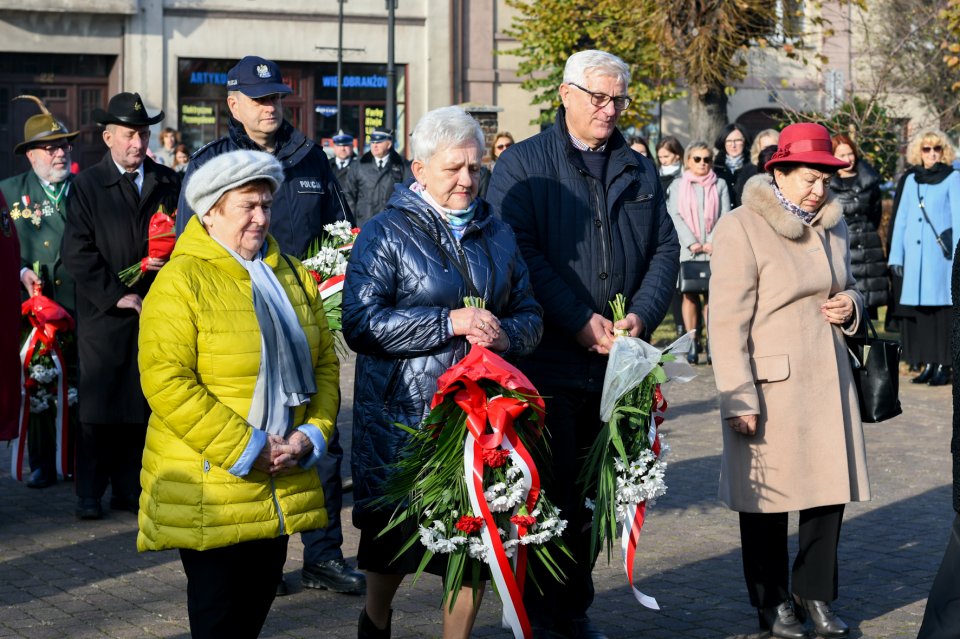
[(928, 149), (501, 147), (51, 149), (734, 141), (600, 100), (697, 159)]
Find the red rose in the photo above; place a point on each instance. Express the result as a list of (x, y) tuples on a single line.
[(495, 457), (469, 524), (523, 521)]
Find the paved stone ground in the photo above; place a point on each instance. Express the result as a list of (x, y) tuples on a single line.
[(60, 577)]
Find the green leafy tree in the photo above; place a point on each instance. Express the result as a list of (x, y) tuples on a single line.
[(549, 31)]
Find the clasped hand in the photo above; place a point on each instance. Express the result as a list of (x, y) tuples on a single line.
[(480, 327), (280, 456), (597, 335)]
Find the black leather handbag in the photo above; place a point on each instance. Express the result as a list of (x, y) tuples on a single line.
[(694, 277), (876, 372)]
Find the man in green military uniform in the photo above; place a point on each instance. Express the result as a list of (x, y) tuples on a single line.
[(38, 201)]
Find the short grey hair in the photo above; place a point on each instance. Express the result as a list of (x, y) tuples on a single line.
[(443, 128), (583, 63), (694, 146)]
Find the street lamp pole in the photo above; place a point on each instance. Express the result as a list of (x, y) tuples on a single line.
[(391, 115), (340, 67)]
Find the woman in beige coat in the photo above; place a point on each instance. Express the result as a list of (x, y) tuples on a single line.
[(782, 299)]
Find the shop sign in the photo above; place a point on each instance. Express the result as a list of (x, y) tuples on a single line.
[(197, 114)]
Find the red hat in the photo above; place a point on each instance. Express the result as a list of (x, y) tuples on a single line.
[(805, 143)]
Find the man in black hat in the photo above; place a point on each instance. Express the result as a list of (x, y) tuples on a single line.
[(107, 226), (369, 182), (38, 203), (343, 154), (309, 198)]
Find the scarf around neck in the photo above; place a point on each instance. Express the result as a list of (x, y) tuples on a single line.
[(688, 203), (805, 216), (456, 219), (934, 175), (285, 378), (671, 169), (733, 164)]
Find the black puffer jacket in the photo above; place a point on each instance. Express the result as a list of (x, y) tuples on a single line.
[(585, 241), (368, 188), (397, 299), (308, 199), (860, 198)]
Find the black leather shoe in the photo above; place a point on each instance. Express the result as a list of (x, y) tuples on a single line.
[(40, 479), (924, 375), (583, 628), (335, 575), (282, 590), (129, 504), (366, 629), (781, 621), (692, 354), (941, 377), (89, 508), (825, 621)]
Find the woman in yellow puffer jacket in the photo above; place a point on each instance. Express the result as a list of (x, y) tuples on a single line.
[(238, 365)]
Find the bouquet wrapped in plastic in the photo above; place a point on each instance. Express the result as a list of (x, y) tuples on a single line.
[(625, 467), (327, 262)]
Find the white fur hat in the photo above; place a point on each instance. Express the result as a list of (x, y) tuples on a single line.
[(228, 171)]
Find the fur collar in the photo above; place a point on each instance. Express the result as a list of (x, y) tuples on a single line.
[(758, 196)]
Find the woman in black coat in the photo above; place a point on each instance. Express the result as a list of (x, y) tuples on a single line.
[(858, 191), (403, 313), (732, 159)]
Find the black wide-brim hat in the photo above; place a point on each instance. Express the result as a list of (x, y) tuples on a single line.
[(125, 109)]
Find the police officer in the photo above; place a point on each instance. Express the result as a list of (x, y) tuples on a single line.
[(369, 182), (343, 154)]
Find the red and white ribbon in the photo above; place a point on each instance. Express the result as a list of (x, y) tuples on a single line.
[(331, 286), (630, 535)]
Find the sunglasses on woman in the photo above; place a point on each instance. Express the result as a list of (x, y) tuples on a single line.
[(507, 145), (928, 149), (697, 159)]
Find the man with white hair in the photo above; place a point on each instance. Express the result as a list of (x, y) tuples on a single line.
[(591, 222)]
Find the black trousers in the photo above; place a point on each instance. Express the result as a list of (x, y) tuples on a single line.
[(110, 454), (941, 619), (763, 538), (573, 425), (230, 589), (323, 544)]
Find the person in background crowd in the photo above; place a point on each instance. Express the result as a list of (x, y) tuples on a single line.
[(857, 188), (181, 158), (167, 153), (731, 159), (695, 202), (403, 315), (582, 251), (244, 390), (343, 154), (502, 141), (369, 182), (42, 192), (639, 144), (767, 137), (670, 159), (106, 231), (10, 371), (927, 205), (308, 198), (941, 618), (782, 301)]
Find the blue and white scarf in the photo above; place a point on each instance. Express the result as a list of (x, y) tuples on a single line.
[(456, 219), (286, 377), (805, 216)]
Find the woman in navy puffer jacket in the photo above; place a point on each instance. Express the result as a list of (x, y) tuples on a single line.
[(404, 315)]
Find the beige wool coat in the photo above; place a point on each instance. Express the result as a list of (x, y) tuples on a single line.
[(774, 355)]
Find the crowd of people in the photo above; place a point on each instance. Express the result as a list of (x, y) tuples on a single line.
[(209, 388)]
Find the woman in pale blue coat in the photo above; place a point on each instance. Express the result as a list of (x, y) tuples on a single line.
[(931, 187), (695, 201)]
